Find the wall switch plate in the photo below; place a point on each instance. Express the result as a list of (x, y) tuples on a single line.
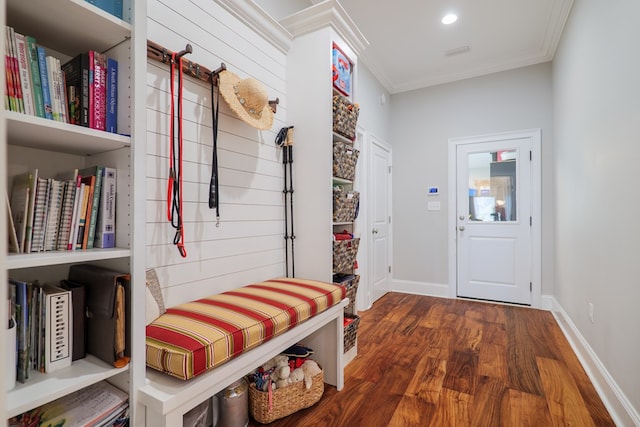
[(433, 206)]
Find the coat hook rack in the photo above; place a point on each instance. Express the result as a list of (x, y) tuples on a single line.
[(190, 68)]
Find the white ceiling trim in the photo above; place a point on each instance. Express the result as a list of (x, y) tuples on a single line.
[(323, 14), (255, 17)]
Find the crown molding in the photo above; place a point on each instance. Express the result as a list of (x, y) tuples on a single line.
[(255, 17), (323, 14)]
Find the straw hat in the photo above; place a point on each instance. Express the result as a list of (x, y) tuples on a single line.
[(247, 98)]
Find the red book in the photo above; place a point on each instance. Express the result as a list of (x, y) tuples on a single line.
[(99, 98)]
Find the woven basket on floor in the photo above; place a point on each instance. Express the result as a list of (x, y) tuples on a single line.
[(284, 401)]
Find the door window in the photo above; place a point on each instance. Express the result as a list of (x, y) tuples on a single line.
[(492, 186)]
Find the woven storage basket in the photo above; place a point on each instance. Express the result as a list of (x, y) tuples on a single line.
[(350, 282), (345, 205), (344, 254), (284, 401), (345, 116), (345, 158), (351, 331)]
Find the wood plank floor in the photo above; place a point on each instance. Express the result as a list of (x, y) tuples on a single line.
[(425, 361)]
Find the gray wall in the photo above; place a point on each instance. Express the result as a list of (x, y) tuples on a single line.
[(597, 114), (422, 121)]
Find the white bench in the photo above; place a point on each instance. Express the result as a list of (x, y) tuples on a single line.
[(167, 399)]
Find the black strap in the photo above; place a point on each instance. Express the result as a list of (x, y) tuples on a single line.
[(214, 195), (175, 170)]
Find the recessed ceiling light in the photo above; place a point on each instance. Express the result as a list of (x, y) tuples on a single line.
[(449, 19)]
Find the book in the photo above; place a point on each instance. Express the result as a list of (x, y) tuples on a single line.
[(44, 81), (112, 96), (15, 71), (73, 231), (52, 75), (77, 81), (98, 90), (90, 182), (82, 215), (113, 7), (21, 183), (94, 405), (11, 228), (106, 222), (36, 85), (39, 215), (58, 314), (22, 320), (10, 81), (97, 172), (25, 74), (66, 214), (52, 224)]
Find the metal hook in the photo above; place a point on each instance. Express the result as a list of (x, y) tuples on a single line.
[(273, 103), (214, 73), (187, 49)]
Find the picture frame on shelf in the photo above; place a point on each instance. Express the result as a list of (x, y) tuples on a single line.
[(342, 70)]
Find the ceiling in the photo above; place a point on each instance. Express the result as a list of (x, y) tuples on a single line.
[(409, 48)]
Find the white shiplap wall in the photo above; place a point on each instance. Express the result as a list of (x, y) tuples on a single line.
[(248, 245)]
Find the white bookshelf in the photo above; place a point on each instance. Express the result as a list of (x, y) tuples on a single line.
[(66, 28)]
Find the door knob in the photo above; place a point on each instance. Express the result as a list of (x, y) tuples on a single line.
[(374, 231), (461, 228)]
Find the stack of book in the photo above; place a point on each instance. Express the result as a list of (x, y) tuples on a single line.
[(72, 211), (100, 404), (83, 91)]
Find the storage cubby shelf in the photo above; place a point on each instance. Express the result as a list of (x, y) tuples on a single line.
[(35, 132), (43, 259), (43, 388)]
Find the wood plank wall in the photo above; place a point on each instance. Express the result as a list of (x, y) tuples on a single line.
[(248, 244)]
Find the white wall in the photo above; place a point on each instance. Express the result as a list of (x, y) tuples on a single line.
[(374, 115), (422, 121), (596, 152), (248, 244)]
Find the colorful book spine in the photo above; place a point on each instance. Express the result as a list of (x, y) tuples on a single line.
[(99, 99), (90, 181), (66, 214), (15, 70), (82, 215), (112, 96), (98, 172), (44, 80), (52, 76), (25, 74), (77, 81), (106, 225), (22, 320), (36, 85), (11, 92)]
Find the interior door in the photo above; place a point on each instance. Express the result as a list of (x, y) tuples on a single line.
[(493, 223), (380, 208)]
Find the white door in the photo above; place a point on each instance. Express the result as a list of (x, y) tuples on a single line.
[(494, 220), (380, 208)]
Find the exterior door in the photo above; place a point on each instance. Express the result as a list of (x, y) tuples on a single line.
[(494, 220), (380, 208)]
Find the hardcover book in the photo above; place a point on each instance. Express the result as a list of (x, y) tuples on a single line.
[(25, 74), (35, 76), (44, 80), (98, 92), (77, 81), (112, 96), (106, 223), (97, 172)]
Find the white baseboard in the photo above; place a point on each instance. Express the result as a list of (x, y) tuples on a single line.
[(619, 407), (420, 288)]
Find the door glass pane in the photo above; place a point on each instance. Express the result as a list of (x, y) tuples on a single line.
[(492, 186)]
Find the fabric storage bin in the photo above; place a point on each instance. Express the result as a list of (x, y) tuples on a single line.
[(345, 205), (268, 406), (344, 254), (351, 322), (345, 116), (350, 283), (345, 158)]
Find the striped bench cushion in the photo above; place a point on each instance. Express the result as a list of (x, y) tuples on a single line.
[(191, 338)]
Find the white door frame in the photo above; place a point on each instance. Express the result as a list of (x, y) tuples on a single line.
[(536, 206), (370, 264)]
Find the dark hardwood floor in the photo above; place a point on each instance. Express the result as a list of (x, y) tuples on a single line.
[(426, 361)]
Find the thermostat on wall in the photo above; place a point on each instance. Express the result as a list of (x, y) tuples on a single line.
[(433, 191)]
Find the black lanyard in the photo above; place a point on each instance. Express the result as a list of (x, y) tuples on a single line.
[(214, 195)]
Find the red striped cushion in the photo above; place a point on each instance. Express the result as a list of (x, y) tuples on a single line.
[(194, 337)]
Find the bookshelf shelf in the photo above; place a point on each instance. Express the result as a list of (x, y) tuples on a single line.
[(67, 26), (36, 132), (43, 259), (43, 388)]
